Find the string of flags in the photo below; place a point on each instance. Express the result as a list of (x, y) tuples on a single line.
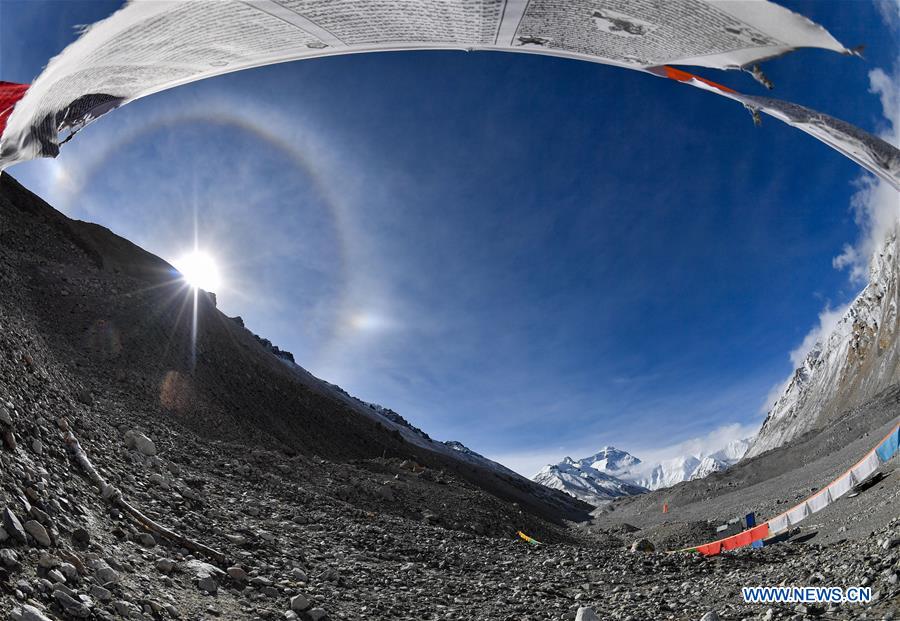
[(855, 475)]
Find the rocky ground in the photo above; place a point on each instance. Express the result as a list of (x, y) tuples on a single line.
[(305, 535), (377, 530)]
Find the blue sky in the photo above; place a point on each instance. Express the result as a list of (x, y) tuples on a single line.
[(534, 256)]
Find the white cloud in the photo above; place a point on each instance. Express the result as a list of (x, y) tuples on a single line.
[(828, 319), (711, 442), (890, 13), (875, 206)]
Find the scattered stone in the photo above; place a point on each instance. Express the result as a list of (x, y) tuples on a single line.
[(81, 537), (28, 613), (123, 608), (315, 614), (431, 517), (105, 575), (137, 441), (101, 593), (71, 605), (38, 532), (9, 439), (5, 416), (385, 492), (208, 584), (586, 614), (165, 565), (260, 581), (207, 576), (299, 603), (9, 558), (69, 571), (642, 545)]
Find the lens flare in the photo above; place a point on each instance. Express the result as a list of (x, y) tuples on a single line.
[(199, 270)]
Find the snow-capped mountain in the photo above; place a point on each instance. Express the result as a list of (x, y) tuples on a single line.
[(732, 452), (609, 460), (667, 473), (855, 362), (585, 483), (611, 473), (707, 466)]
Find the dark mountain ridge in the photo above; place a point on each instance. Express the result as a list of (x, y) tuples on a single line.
[(122, 320)]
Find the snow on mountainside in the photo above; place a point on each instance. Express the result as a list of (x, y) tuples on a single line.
[(611, 473), (668, 472), (585, 483), (610, 460), (707, 466), (733, 452), (855, 362)]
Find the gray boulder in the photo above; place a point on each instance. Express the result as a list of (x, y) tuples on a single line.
[(136, 441), (586, 614)]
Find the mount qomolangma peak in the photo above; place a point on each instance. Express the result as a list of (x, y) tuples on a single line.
[(610, 460), (585, 483), (612, 473)]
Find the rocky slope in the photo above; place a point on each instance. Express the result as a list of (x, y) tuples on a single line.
[(854, 363), (120, 319)]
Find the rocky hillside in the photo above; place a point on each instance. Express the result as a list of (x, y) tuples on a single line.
[(854, 363), (119, 318)]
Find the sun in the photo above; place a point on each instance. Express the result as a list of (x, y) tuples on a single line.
[(199, 270)]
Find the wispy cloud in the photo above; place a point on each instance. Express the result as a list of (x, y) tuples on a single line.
[(890, 13), (875, 206), (702, 445), (529, 463), (828, 319)]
